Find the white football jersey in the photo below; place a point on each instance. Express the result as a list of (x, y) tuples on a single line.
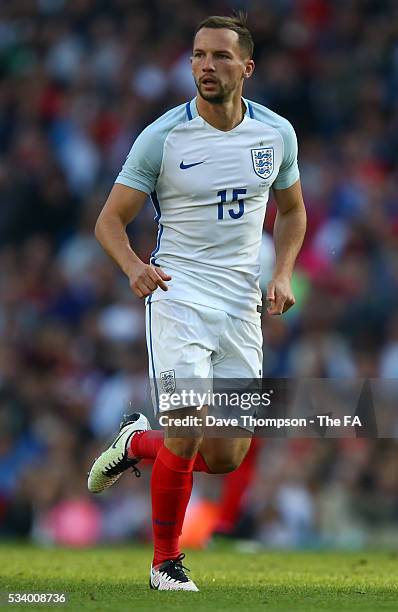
[(210, 190)]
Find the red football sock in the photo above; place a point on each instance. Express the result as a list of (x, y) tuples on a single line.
[(146, 445), (234, 488), (171, 486)]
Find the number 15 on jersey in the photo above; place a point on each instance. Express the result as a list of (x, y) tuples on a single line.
[(234, 214)]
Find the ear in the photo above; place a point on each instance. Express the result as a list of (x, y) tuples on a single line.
[(249, 69)]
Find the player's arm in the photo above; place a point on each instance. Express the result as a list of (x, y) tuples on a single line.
[(122, 206), (289, 231)]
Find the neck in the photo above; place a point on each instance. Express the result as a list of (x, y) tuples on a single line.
[(223, 116)]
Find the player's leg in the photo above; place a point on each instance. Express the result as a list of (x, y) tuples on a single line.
[(240, 357), (180, 345), (171, 486)]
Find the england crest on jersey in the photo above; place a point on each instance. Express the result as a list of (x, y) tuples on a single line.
[(263, 161), (168, 381)]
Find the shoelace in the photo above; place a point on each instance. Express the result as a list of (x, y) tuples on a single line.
[(178, 568), (115, 467)]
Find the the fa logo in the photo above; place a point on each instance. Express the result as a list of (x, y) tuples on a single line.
[(263, 161), (168, 381)]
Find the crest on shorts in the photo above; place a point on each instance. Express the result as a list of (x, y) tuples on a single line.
[(263, 161), (168, 381)]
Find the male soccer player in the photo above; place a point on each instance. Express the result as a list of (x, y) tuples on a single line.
[(208, 165)]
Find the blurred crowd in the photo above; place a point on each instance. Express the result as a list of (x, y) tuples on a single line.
[(79, 79)]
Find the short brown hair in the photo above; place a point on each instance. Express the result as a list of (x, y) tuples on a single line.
[(237, 23)]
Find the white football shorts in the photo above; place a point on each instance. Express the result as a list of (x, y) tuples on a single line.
[(192, 345)]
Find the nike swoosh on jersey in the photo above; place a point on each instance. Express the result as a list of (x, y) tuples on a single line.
[(185, 166)]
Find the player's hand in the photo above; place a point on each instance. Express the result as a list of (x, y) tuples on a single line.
[(144, 279), (279, 295)]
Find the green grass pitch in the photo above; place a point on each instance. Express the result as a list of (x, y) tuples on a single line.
[(116, 579)]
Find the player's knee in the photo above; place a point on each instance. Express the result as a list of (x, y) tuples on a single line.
[(222, 457)]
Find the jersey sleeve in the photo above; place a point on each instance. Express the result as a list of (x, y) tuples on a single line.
[(142, 166), (288, 171)]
